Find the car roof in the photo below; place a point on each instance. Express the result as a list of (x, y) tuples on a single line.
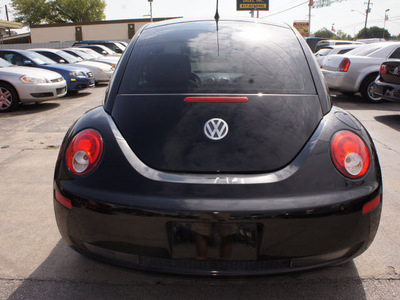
[(346, 46), (45, 49), (192, 20)]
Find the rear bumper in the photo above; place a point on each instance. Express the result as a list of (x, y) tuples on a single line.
[(260, 241), (387, 91), (340, 81)]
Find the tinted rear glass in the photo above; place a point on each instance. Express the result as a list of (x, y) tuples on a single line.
[(239, 57)]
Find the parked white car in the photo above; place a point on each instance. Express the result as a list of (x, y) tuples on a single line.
[(91, 55), (329, 43), (25, 84), (331, 50), (103, 50), (102, 72), (357, 70)]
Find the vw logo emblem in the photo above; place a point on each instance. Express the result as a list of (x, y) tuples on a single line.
[(216, 129)]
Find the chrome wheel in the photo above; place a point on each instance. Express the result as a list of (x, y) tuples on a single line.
[(9, 99), (367, 89), (5, 99), (371, 96)]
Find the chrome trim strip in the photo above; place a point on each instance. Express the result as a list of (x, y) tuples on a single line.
[(189, 178)]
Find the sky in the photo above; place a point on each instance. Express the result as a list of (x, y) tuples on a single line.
[(345, 15)]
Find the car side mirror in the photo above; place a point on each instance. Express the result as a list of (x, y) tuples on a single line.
[(28, 63), (62, 61)]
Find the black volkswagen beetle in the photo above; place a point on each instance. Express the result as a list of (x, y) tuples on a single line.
[(217, 152)]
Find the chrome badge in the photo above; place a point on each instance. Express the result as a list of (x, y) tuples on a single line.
[(216, 129)]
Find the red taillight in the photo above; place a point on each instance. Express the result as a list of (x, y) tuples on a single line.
[(383, 69), (371, 205), (62, 200), (344, 65), (350, 154), (84, 152)]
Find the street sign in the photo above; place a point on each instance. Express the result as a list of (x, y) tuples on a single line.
[(252, 5), (302, 27)]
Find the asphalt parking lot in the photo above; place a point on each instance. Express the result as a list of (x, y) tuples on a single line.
[(36, 264)]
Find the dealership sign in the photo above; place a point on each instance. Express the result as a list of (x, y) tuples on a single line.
[(302, 27), (252, 4)]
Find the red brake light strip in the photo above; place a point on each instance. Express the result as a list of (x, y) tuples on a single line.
[(217, 99)]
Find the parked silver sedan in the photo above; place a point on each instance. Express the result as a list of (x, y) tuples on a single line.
[(102, 72), (331, 50), (357, 70), (24, 85), (91, 55)]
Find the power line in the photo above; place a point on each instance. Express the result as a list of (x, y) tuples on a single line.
[(286, 9)]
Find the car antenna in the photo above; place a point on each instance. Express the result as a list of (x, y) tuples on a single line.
[(216, 17)]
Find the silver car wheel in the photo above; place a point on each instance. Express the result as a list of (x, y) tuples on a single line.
[(370, 91), (5, 98), (9, 99)]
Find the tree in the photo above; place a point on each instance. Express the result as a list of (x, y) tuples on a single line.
[(324, 33), (328, 34), (76, 11), (372, 32), (343, 36), (58, 11), (29, 11)]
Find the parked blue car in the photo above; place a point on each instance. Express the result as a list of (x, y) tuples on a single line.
[(77, 78)]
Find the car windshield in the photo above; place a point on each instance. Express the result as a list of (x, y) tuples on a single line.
[(80, 54), (4, 63), (91, 52), (121, 46), (106, 49), (39, 58), (365, 50), (323, 52), (238, 57), (69, 57)]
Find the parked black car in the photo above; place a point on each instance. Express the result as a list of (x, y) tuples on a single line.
[(387, 85), (217, 152)]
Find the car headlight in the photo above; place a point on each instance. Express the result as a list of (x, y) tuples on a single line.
[(34, 80), (106, 70), (77, 74)]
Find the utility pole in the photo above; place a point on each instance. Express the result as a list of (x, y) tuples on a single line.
[(366, 18), (310, 4), (7, 13), (384, 22), (9, 30), (151, 10)]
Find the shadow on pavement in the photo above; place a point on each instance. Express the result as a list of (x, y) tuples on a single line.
[(66, 274), (392, 121), (75, 95), (31, 109), (357, 103), (101, 84)]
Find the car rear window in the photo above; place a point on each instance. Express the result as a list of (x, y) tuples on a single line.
[(228, 57), (366, 49)]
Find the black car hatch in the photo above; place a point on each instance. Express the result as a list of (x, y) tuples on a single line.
[(259, 135)]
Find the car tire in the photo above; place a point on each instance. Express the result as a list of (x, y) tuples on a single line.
[(367, 89), (9, 99)]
